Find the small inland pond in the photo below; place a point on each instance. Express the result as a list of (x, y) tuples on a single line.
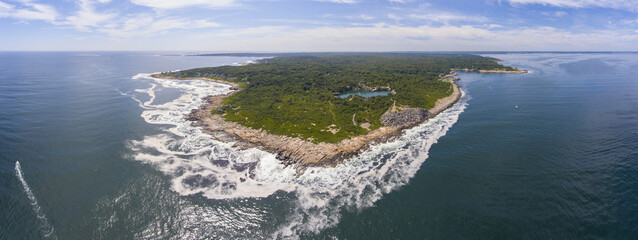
[(365, 94)]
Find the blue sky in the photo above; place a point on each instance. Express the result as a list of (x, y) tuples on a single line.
[(320, 25)]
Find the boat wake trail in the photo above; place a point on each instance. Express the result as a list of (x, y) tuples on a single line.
[(47, 230), (198, 164)]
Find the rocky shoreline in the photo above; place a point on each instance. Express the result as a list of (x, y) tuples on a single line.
[(302, 153), (489, 71)]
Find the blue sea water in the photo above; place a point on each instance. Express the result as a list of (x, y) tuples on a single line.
[(92, 147)]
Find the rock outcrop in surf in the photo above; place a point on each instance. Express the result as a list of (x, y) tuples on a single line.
[(405, 116)]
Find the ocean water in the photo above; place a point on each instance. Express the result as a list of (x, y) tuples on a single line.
[(92, 147)]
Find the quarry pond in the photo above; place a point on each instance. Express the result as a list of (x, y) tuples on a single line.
[(365, 94)]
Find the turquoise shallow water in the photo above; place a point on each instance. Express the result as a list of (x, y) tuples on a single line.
[(106, 155)]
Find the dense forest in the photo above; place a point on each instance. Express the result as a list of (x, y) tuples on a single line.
[(296, 95)]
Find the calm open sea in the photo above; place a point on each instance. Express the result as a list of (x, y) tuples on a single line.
[(92, 147)]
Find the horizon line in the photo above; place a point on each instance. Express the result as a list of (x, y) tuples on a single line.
[(203, 52)]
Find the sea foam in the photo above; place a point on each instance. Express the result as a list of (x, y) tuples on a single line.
[(198, 164)]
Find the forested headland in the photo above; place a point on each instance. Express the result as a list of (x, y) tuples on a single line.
[(297, 95)]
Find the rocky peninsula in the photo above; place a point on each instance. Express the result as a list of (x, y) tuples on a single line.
[(303, 153), (289, 105)]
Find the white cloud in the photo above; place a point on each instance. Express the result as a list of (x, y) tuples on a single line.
[(132, 33), (339, 1), (172, 4), (425, 13), (629, 5), (139, 24), (362, 17), (28, 11), (243, 33), (446, 18), (394, 17), (5, 7), (87, 18), (147, 25), (555, 14), (385, 37), (437, 30), (366, 17)]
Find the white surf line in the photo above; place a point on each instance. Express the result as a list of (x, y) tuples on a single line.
[(47, 230), (149, 91), (357, 183)]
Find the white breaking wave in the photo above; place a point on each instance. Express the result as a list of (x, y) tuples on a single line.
[(363, 180), (198, 164), (47, 230)]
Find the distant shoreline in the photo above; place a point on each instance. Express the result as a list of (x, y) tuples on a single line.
[(489, 71)]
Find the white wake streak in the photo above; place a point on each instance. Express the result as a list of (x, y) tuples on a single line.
[(47, 230)]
